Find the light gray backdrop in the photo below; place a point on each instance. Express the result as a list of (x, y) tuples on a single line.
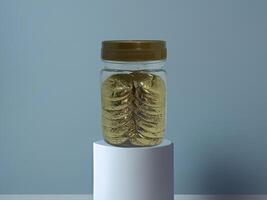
[(50, 101)]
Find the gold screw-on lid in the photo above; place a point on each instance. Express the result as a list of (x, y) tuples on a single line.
[(134, 50)]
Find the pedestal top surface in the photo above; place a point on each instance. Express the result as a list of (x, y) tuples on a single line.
[(104, 144)]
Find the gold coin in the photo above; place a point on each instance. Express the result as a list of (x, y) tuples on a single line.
[(148, 109), (141, 140), (117, 86), (149, 126), (150, 134), (160, 96), (139, 115), (114, 123), (117, 114), (122, 130), (151, 83), (116, 140), (116, 105), (151, 101)]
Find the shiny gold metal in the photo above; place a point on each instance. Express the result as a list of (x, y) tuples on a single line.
[(140, 140), (114, 123), (116, 140), (116, 114), (133, 109), (117, 87), (122, 130)]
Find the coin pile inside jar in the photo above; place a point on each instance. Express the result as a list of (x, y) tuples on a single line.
[(133, 109)]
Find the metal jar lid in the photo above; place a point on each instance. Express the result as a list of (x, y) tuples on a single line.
[(133, 50)]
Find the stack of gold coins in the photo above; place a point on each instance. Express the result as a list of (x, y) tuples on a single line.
[(117, 108), (133, 109), (149, 112)]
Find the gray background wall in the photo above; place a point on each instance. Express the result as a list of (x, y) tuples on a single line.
[(49, 90)]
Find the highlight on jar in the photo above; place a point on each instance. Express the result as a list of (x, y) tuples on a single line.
[(133, 92)]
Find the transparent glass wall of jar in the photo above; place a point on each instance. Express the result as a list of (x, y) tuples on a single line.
[(133, 99), (133, 102)]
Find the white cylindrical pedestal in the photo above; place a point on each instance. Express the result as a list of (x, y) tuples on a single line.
[(134, 173)]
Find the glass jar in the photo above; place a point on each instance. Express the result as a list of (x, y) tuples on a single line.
[(133, 92)]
